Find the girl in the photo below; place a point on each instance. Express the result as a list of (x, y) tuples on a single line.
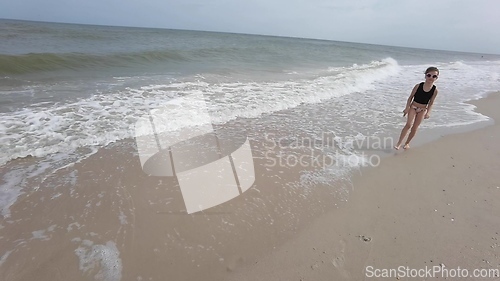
[(419, 105)]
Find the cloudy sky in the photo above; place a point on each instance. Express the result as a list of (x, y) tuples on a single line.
[(459, 25)]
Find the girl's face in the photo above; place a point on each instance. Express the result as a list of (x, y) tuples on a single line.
[(431, 76)]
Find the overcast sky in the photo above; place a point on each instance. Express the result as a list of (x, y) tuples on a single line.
[(459, 25)]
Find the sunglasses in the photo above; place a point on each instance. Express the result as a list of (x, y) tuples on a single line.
[(430, 75)]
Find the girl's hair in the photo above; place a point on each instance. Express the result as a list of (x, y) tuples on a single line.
[(432, 68)]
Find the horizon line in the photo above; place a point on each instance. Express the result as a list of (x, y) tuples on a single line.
[(244, 33)]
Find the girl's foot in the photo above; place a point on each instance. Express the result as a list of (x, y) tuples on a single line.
[(397, 146), (406, 146)]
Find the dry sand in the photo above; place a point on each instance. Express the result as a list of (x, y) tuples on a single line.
[(433, 205)]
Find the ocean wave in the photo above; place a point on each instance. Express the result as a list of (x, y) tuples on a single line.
[(40, 62), (76, 61), (109, 117)]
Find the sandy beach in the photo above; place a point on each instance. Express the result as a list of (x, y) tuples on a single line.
[(104, 219), (433, 205), (152, 153)]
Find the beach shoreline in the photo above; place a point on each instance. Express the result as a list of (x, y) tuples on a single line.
[(108, 220), (211, 156), (431, 207)]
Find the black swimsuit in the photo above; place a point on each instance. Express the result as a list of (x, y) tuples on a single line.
[(422, 96)]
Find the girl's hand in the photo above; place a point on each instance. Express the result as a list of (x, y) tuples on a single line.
[(405, 111), (427, 115)]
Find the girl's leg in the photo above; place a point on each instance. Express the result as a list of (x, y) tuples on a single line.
[(418, 119), (404, 131)]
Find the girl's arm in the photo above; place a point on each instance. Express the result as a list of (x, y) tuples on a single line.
[(431, 102), (410, 99)]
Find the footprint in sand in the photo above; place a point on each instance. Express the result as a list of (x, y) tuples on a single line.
[(339, 261)]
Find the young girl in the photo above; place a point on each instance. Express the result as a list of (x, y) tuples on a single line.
[(419, 105)]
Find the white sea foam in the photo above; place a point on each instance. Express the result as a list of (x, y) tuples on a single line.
[(102, 261), (9, 191), (43, 234), (73, 225), (108, 117), (123, 218), (365, 98), (20, 180), (4, 257), (40, 234), (15, 180)]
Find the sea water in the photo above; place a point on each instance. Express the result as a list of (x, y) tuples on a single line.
[(67, 90)]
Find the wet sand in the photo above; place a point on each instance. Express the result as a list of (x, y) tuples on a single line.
[(433, 205), (105, 219)]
